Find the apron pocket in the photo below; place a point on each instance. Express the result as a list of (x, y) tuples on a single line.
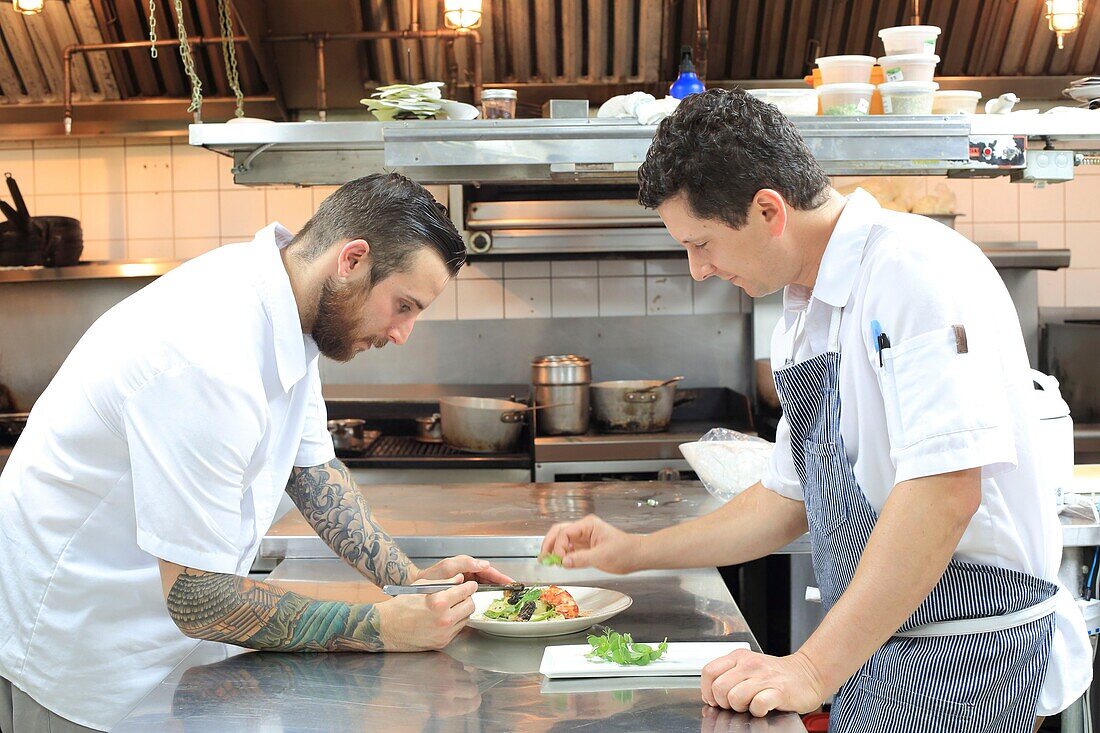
[(913, 706), (823, 490)]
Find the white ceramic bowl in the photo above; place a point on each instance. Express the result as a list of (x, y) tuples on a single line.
[(908, 97), (955, 102), (846, 69), (791, 102), (909, 67), (597, 605), (846, 99), (909, 39)]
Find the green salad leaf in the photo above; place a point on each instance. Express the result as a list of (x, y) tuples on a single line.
[(550, 559), (611, 646)]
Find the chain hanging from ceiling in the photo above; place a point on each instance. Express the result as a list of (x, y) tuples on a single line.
[(152, 28), (229, 53)]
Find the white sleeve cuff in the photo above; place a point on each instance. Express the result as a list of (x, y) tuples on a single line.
[(188, 557), (992, 449)]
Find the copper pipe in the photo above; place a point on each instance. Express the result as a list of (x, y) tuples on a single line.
[(414, 20), (322, 92), (452, 65), (915, 19), (702, 38)]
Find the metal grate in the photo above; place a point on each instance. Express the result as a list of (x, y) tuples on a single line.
[(404, 446)]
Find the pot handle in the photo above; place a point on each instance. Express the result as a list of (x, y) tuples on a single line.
[(512, 417), (641, 396)]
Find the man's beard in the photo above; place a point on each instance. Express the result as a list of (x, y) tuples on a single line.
[(337, 319)]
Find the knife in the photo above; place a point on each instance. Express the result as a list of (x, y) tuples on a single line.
[(402, 590)]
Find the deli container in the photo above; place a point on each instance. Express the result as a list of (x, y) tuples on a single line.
[(909, 67), (907, 97), (846, 99), (955, 102), (909, 39), (791, 102), (845, 69)]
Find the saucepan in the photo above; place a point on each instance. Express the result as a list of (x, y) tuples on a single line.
[(634, 405), (428, 429), (482, 424)]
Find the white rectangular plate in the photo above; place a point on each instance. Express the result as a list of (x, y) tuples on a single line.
[(684, 658)]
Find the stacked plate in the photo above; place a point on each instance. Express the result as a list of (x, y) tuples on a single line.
[(1086, 91), (416, 102)]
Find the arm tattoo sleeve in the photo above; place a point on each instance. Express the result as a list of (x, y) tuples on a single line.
[(236, 610), (330, 501)]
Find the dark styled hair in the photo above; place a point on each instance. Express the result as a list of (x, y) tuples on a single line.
[(722, 146), (396, 217)]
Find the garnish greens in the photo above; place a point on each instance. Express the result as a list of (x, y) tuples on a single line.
[(612, 646), (550, 559)]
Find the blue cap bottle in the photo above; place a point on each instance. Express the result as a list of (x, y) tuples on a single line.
[(688, 82)]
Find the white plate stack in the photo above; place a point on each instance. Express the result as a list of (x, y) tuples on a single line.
[(1086, 91)]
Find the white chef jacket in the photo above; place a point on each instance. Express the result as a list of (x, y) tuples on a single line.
[(169, 432), (943, 413)]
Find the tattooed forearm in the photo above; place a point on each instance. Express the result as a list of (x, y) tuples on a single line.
[(330, 501), (236, 610)]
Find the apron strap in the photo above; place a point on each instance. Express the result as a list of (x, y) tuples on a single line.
[(834, 330), (986, 624)]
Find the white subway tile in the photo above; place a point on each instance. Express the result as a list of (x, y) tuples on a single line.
[(186, 247), (965, 228), (574, 268), (102, 141), (148, 168), (60, 205), (103, 215), (1049, 235), (668, 295), (196, 215), (1042, 204), (6, 145), (102, 169), (102, 250), (55, 169), (1052, 289), (439, 193), (678, 266), (291, 207), (150, 249), (225, 174), (527, 268), (527, 298), (622, 296), (444, 307), (480, 300), (481, 271), (1082, 197), (194, 169), (996, 200), (320, 193), (985, 233), (149, 216), (1082, 288), (621, 268), (243, 213), (715, 295), (575, 297), (20, 163), (1083, 240)]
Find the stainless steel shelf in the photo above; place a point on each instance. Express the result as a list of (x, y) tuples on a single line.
[(89, 271), (1028, 259), (488, 151)]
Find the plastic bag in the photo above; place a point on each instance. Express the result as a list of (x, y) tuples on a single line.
[(728, 462)]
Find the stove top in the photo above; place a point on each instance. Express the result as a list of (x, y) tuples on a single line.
[(405, 451)]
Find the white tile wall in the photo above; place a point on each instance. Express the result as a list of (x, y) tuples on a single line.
[(480, 299), (56, 170), (622, 296), (444, 307), (575, 297), (668, 295), (291, 207), (527, 269), (527, 298)]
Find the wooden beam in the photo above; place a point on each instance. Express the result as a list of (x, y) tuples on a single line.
[(623, 49), (104, 19), (47, 50), (597, 40), (254, 25), (649, 40), (133, 27), (9, 79), (168, 63), (545, 38), (490, 23), (410, 60), (64, 33), (519, 39), (22, 51), (382, 50)]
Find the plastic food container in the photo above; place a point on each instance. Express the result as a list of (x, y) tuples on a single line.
[(905, 39), (955, 102), (791, 102), (909, 67), (846, 99), (498, 104), (846, 69), (908, 97)]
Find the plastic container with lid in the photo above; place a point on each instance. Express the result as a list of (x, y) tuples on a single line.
[(955, 102), (904, 39), (909, 67), (498, 104), (845, 69), (907, 97), (791, 102), (846, 99)]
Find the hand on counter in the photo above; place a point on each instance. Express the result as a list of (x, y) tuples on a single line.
[(461, 568), (745, 681), (416, 623), (593, 543)]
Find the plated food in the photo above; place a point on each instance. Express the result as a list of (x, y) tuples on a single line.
[(534, 605), (559, 609)]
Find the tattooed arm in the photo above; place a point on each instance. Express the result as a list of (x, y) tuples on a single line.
[(333, 505), (240, 611)]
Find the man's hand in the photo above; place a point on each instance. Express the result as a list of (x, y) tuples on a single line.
[(758, 683), (592, 542), (416, 623), (461, 568)]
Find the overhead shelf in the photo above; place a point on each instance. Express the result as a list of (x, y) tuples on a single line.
[(545, 150), (88, 271)]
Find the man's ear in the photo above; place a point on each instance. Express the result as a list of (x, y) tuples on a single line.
[(773, 208), (352, 255)]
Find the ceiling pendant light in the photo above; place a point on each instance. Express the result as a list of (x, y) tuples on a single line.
[(462, 13), (28, 7), (1064, 17)]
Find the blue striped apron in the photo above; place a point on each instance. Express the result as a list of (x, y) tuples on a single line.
[(973, 655)]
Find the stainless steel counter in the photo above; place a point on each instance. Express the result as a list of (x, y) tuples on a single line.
[(480, 683)]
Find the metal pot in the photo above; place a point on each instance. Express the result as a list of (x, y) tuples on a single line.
[(562, 381), (11, 426), (428, 429), (347, 434), (630, 406), (480, 424)]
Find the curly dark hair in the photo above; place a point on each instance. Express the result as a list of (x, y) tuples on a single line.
[(722, 146)]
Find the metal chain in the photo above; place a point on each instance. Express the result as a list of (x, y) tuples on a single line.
[(189, 63), (229, 53), (153, 28)]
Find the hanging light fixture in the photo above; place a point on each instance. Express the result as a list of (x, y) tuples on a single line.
[(462, 13), (1064, 17), (28, 7)]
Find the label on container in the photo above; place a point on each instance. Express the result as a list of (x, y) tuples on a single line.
[(864, 106), (895, 74), (930, 45)]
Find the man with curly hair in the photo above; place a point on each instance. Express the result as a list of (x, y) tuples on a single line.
[(907, 446)]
